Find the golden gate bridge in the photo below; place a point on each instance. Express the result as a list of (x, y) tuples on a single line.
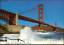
[(11, 18)]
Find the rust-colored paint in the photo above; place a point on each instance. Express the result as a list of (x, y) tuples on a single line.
[(12, 18)]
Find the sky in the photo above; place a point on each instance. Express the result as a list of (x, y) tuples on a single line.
[(53, 10)]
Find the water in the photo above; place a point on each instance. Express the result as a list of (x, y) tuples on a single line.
[(51, 35), (48, 38), (30, 36), (33, 37)]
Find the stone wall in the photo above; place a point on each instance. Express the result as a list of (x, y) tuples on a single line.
[(14, 28)]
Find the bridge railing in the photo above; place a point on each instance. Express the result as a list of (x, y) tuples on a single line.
[(5, 39)]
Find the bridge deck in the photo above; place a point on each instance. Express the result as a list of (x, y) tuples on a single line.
[(22, 17), (7, 13)]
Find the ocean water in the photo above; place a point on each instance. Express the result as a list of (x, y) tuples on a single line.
[(33, 37), (50, 35)]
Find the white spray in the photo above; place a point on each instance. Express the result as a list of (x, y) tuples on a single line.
[(26, 34)]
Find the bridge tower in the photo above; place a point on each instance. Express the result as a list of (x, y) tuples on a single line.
[(40, 13)]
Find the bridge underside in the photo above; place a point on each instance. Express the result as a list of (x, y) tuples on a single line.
[(12, 18)]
